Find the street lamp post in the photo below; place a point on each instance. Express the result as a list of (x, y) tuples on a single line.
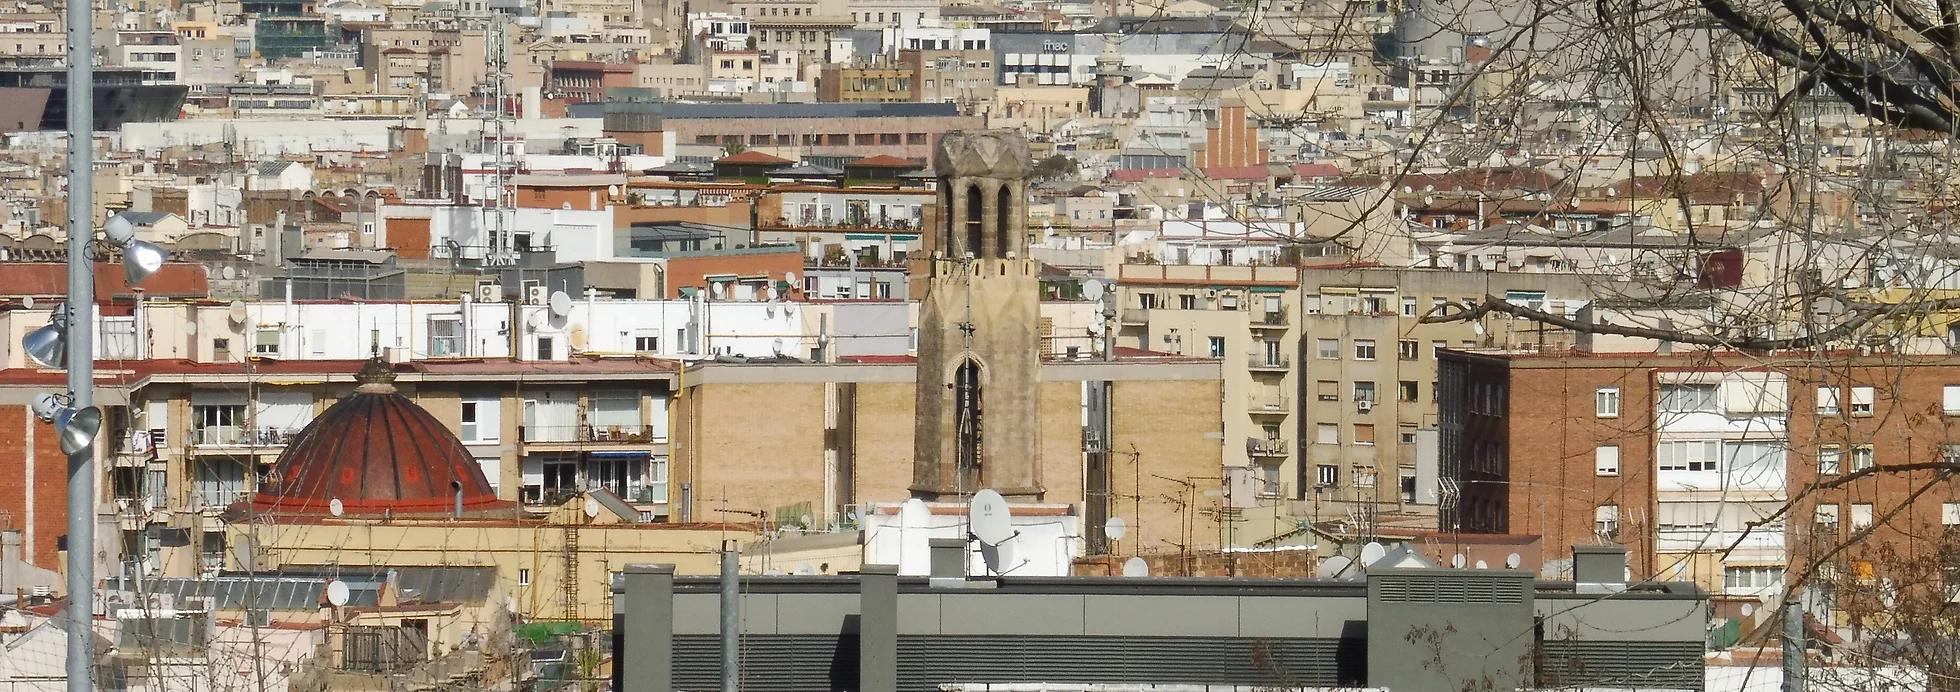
[(81, 337)]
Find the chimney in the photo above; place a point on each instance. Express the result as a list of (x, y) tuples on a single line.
[(1599, 568), (948, 557)]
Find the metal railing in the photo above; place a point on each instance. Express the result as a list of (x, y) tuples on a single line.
[(234, 436), (625, 434), (1267, 361), (1269, 318), (1265, 447)]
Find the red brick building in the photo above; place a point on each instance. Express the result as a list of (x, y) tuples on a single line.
[(1680, 457)]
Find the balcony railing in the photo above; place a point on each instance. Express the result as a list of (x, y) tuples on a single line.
[(1267, 361), (1269, 319), (234, 436), (1265, 447), (1136, 316), (1272, 404), (624, 434)]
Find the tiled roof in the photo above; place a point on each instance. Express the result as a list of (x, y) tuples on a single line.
[(175, 279), (753, 157)]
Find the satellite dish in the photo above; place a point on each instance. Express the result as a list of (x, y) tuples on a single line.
[(577, 337), (560, 304), (790, 277), (27, 302), (1748, 609), (1092, 289), (337, 593), (1136, 567), (534, 320), (773, 295), (999, 558), (612, 190), (1372, 553), (1458, 561), (776, 346), (988, 518), (335, 507), (190, 326), (1333, 567), (804, 569), (1095, 327), (808, 521), (715, 289), (1512, 561), (1115, 528), (237, 312), (229, 272), (1482, 565), (591, 508)]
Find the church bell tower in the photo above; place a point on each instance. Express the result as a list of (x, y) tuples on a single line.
[(979, 346)]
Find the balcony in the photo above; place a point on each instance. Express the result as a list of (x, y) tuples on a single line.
[(572, 434), (234, 436), (1267, 447), (1267, 362), (1269, 319), (1136, 316), (1268, 404)]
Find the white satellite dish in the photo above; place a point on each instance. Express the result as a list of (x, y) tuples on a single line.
[(1333, 567), (1748, 609), (1512, 561), (190, 326), (591, 508), (1482, 565), (337, 593), (1136, 567), (999, 558), (1092, 289), (1116, 528), (560, 304), (776, 346), (914, 513), (27, 302), (773, 295), (237, 312), (988, 517), (534, 320), (804, 569), (1095, 327), (715, 289), (790, 277), (1372, 553), (335, 507), (228, 272), (1458, 561)]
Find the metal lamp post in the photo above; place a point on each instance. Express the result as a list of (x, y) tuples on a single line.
[(81, 337)]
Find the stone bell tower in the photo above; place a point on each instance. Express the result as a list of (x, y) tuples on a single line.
[(979, 348)]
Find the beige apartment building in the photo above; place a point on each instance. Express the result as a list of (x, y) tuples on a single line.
[(1329, 373)]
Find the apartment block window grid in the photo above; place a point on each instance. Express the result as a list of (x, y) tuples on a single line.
[(1364, 349), (1327, 349), (1407, 349), (1327, 475)]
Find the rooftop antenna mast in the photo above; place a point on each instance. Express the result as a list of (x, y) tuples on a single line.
[(500, 243)]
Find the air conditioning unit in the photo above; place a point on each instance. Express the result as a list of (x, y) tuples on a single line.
[(536, 295), (490, 293), (1364, 405)]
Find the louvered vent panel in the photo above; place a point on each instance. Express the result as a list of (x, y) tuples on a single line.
[(1640, 665), (925, 663), (1417, 589), (791, 663)]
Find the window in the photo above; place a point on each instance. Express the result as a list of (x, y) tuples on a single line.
[(1437, 346), (1408, 486), (1827, 521), (1686, 398), (1827, 401), (1950, 400), (646, 344), (445, 336), (1606, 460), (523, 576), (1327, 349), (1327, 475), (1408, 306), (481, 419), (1407, 391), (1364, 349), (1950, 516), (1327, 390), (1406, 349), (1187, 302), (1829, 460), (266, 342), (1606, 402), (1690, 455), (1861, 400), (1327, 434), (1364, 477), (1364, 390), (1861, 516), (1950, 454), (1364, 434), (1606, 521), (1861, 458), (1217, 346), (544, 348), (1752, 577)]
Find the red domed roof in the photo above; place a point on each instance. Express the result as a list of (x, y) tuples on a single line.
[(376, 452)]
